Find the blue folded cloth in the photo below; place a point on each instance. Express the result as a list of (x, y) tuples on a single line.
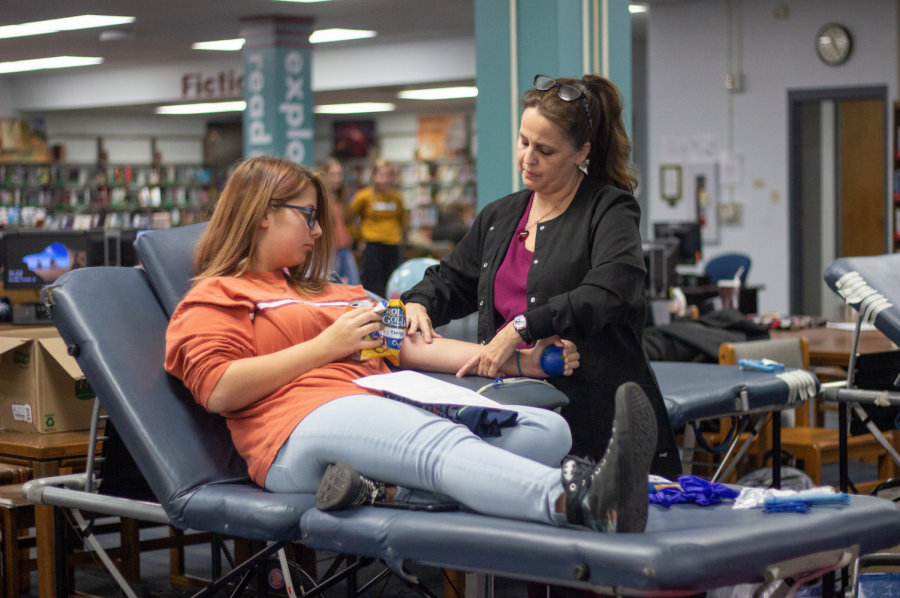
[(485, 422), (693, 490)]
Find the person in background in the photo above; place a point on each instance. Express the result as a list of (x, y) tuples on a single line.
[(345, 262), (562, 257), (454, 221), (382, 224)]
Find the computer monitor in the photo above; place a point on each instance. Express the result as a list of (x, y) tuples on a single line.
[(34, 258), (690, 244)]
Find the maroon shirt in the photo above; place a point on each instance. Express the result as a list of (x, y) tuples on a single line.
[(512, 277)]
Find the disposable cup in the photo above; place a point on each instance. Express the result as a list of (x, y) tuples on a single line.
[(729, 292)]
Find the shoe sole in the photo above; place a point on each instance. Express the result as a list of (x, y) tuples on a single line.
[(337, 488), (636, 434)]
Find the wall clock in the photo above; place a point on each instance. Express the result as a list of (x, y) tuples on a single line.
[(833, 44)]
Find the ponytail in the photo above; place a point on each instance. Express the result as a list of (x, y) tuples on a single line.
[(610, 155)]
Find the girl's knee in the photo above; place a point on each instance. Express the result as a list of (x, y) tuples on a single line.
[(550, 423), (559, 429)]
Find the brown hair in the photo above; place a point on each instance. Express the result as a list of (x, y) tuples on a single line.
[(609, 158), (228, 245)]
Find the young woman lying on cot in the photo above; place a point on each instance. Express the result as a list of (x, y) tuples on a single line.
[(265, 340)]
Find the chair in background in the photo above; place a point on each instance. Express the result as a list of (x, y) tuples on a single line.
[(407, 275), (809, 444), (726, 266)]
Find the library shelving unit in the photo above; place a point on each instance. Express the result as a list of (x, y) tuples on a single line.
[(81, 196), (427, 188)]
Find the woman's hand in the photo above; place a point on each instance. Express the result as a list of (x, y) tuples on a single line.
[(417, 320), (348, 333), (494, 355), (530, 359)]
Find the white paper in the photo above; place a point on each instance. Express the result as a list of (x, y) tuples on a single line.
[(851, 326), (22, 413), (425, 389)]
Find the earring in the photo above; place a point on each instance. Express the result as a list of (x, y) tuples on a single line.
[(584, 165)]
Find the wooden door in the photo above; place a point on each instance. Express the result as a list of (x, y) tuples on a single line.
[(862, 177)]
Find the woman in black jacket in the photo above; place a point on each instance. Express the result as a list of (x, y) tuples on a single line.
[(563, 257)]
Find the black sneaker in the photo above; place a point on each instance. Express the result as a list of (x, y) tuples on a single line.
[(612, 496), (343, 487)]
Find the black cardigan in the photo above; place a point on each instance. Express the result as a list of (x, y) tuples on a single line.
[(586, 284)]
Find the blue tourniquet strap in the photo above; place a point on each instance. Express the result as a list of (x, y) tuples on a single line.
[(795, 506)]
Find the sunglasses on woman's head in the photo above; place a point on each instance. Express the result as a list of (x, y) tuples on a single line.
[(567, 93), (310, 214)]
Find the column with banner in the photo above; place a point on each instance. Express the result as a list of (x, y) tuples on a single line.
[(518, 39), (278, 119)]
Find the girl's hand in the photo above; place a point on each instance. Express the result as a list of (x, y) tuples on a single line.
[(417, 320), (530, 359), (348, 333), (489, 360)]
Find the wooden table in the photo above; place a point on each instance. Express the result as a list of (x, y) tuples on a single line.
[(48, 455), (831, 347)]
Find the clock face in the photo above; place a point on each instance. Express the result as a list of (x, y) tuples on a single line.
[(833, 44)]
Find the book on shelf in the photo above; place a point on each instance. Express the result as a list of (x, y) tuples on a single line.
[(82, 222), (161, 220)]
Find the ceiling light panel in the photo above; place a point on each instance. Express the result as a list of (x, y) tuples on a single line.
[(317, 37), (222, 44), (206, 108), (66, 24), (440, 93), (56, 62), (360, 108), (637, 8), (337, 35)]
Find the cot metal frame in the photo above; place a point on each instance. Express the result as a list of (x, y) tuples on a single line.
[(70, 497)]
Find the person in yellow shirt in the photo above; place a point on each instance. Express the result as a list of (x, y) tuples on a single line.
[(382, 225)]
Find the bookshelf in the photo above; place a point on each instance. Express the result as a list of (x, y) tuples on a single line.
[(118, 196)]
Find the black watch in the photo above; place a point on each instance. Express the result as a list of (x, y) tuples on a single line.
[(521, 326)]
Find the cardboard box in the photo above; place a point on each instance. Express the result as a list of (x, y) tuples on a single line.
[(42, 388)]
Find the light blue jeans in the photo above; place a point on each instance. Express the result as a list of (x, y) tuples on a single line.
[(345, 266), (429, 458)]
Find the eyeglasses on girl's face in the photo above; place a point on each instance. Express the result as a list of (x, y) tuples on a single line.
[(310, 213), (567, 93)]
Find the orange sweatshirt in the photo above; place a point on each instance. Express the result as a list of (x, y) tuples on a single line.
[(225, 319)]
